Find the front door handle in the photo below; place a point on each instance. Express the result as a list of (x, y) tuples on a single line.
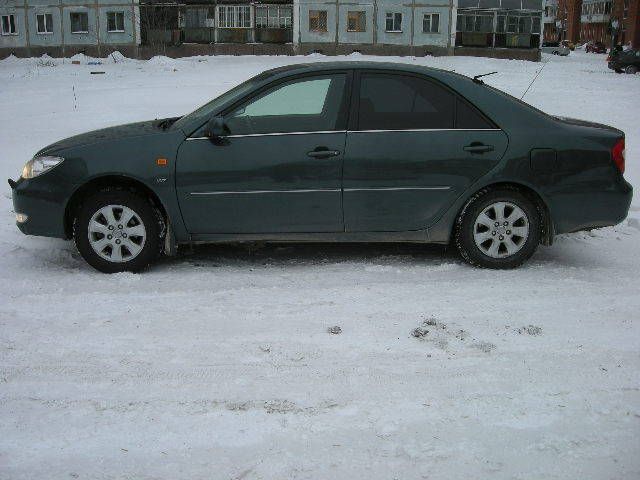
[(477, 147), (323, 153)]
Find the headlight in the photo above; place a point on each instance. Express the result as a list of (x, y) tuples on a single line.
[(39, 165)]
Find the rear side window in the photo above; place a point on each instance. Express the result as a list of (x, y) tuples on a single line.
[(468, 117), (402, 102)]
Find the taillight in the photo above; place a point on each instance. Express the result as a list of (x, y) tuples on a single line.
[(617, 154)]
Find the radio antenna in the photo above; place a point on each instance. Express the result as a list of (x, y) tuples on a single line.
[(478, 77), (534, 79)]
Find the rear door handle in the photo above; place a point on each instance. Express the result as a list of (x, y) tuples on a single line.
[(478, 148), (324, 153)]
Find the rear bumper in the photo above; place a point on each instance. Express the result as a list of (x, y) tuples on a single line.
[(573, 212), (43, 202)]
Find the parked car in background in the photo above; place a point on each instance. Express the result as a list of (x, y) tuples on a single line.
[(625, 62), (595, 47), (555, 48), (331, 152)]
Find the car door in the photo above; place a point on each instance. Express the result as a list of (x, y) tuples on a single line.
[(279, 168), (413, 146)]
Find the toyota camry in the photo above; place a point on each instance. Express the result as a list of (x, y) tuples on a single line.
[(331, 152)]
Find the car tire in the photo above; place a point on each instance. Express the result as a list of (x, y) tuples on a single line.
[(484, 244), (118, 231), (631, 70)]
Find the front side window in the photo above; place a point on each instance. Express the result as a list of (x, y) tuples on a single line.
[(431, 23), (234, 16), (393, 22), (356, 21), (79, 22), (44, 23), (115, 21), (402, 102), (317, 20), (305, 105), (9, 25)]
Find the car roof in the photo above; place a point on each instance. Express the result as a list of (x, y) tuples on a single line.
[(353, 64)]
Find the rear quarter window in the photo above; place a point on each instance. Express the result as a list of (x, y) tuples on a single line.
[(469, 117)]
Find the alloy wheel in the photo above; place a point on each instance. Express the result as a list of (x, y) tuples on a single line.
[(116, 233), (501, 229)]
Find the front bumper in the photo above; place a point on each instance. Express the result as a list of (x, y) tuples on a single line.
[(43, 202)]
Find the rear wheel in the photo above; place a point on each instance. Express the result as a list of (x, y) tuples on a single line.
[(498, 229), (117, 231)]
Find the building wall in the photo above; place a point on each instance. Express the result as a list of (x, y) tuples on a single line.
[(375, 38), (367, 36), (28, 38), (582, 28), (13, 7)]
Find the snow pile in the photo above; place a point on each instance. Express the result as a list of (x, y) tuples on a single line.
[(314, 361), (118, 57), (161, 61)]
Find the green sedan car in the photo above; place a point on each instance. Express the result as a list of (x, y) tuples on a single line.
[(331, 152)]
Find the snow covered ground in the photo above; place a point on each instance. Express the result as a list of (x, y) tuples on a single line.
[(218, 364)]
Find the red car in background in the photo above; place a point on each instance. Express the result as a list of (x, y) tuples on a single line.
[(596, 47)]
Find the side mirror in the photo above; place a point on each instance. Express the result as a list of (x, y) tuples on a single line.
[(216, 129)]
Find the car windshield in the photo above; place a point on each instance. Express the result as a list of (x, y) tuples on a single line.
[(204, 112)]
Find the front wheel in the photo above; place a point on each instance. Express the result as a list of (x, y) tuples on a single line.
[(631, 70), (117, 231), (498, 229)]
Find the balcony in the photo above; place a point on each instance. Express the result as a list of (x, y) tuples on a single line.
[(595, 18)]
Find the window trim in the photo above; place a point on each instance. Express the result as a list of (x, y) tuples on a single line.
[(15, 25), (343, 111), (364, 15), (284, 16), (326, 24), (386, 18), (235, 16), (46, 32), (79, 32), (116, 13), (430, 15)]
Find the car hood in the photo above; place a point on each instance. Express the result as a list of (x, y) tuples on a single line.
[(118, 132)]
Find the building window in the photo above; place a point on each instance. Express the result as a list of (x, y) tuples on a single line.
[(44, 23), (79, 22), (625, 11), (317, 20), (234, 16), (356, 21), (115, 21), (535, 26), (476, 23), (273, 16), (9, 25), (393, 22), (431, 23)]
